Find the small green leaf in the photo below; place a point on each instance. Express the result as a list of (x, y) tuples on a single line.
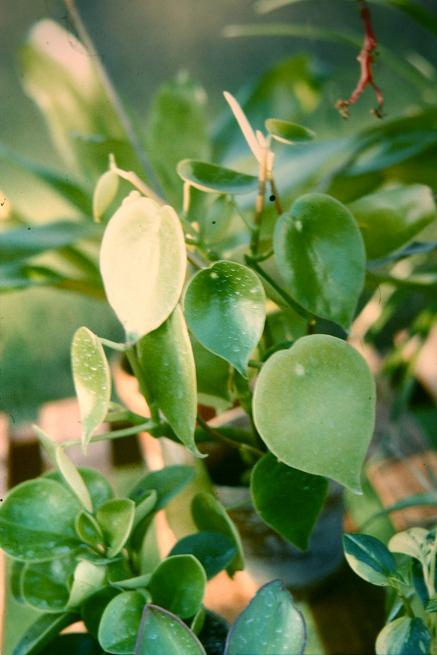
[(369, 558), (269, 625), (88, 530), (46, 585), (391, 218), (320, 255), (37, 521), (178, 585), (73, 478), (410, 542), (92, 380), (143, 263), (131, 584), (404, 636), (120, 623), (210, 516), (87, 579), (166, 482), (314, 408), (116, 518), (98, 486), (162, 633), (286, 132), (42, 631), (104, 193), (225, 310), (166, 358), (210, 177), (214, 550), (288, 500)]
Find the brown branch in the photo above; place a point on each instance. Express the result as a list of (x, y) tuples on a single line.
[(366, 60)]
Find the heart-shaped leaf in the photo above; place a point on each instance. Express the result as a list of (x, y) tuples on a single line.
[(269, 624), (92, 380), (162, 633), (143, 264), (391, 218), (46, 585), (37, 521), (116, 518), (404, 636), (210, 177), (214, 550), (120, 623), (210, 516), (288, 500), (320, 255), (314, 407), (369, 558), (178, 585), (286, 132), (225, 310), (73, 478), (166, 358)]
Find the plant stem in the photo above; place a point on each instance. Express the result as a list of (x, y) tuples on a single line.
[(132, 358), (110, 90), (260, 198), (218, 436), (275, 193), (147, 426)]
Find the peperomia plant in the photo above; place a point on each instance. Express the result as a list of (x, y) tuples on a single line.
[(410, 575)]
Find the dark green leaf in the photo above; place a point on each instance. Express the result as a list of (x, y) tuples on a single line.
[(286, 132), (314, 407), (46, 585), (74, 644), (320, 255), (225, 310), (16, 580), (94, 606), (211, 177), (288, 500), (214, 550), (167, 361), (162, 633), (42, 632), (120, 623), (404, 636), (269, 624), (369, 558), (178, 585), (167, 482)]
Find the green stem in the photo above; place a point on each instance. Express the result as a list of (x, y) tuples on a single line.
[(133, 360), (147, 426), (218, 436)]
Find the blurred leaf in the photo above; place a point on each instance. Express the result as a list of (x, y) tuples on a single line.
[(404, 636), (16, 580), (211, 177), (417, 500), (176, 129), (143, 264), (42, 632), (73, 644), (214, 550), (116, 518), (288, 500), (104, 193), (287, 132), (225, 310), (412, 542), (46, 585), (309, 422), (120, 623), (270, 623), (162, 633), (167, 361), (92, 381), (178, 585), (369, 558)]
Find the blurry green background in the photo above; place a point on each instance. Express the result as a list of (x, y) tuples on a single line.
[(143, 43)]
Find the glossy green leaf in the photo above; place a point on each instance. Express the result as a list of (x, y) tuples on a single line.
[(92, 380), (178, 585), (143, 264), (404, 636), (104, 193), (37, 521), (162, 633), (116, 518), (391, 218), (214, 550), (167, 361), (42, 631), (288, 500), (73, 478), (225, 310), (98, 486), (286, 132), (314, 407), (120, 623), (46, 585), (210, 516), (88, 530), (24, 242), (369, 558), (269, 625), (320, 255), (94, 606), (87, 579), (176, 128), (167, 482), (210, 177), (412, 542)]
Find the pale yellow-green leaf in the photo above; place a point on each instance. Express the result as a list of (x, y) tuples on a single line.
[(73, 478), (104, 193)]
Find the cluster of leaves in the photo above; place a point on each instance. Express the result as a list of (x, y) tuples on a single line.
[(410, 576)]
